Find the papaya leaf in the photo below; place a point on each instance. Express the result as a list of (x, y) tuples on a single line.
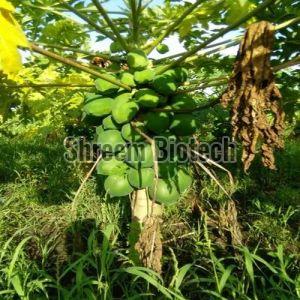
[(11, 36)]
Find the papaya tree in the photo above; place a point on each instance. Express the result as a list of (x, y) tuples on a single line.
[(140, 106)]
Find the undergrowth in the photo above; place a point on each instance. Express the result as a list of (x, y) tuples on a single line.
[(50, 251)]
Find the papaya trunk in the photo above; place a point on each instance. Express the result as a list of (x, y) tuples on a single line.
[(145, 237)]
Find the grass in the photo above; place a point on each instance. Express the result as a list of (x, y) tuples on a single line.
[(46, 252)]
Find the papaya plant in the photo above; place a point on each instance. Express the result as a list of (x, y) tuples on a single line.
[(137, 101)]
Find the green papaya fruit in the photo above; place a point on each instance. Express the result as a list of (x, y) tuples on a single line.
[(99, 129), (162, 48), (98, 107), (109, 123), (182, 101), (111, 141), (178, 74), (145, 76), (183, 124), (106, 87), (124, 109), (129, 134), (137, 60), (147, 98), (128, 79), (141, 178), (115, 47), (164, 84), (139, 156), (183, 180), (117, 186), (166, 192), (157, 122), (111, 165)]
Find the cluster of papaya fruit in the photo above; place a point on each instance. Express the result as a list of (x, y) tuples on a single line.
[(128, 158)]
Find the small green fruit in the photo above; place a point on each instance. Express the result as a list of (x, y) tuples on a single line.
[(115, 47), (137, 60), (141, 178), (111, 141), (164, 84), (109, 123), (124, 109), (182, 101), (139, 156), (147, 98), (183, 124), (162, 48), (128, 79), (117, 186), (166, 192), (183, 180), (145, 76), (157, 122), (106, 87), (129, 134), (98, 107), (111, 165)]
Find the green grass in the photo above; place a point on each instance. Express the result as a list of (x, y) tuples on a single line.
[(47, 252)]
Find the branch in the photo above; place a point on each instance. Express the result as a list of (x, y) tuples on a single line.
[(88, 21), (135, 11), (287, 23), (48, 85), (223, 44), (76, 50), (173, 26), (200, 107), (216, 36), (79, 66), (216, 82), (293, 62), (111, 25)]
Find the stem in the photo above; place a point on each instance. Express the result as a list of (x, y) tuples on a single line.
[(225, 44), (216, 36), (88, 21), (76, 50), (111, 25), (200, 107), (75, 64), (173, 26), (220, 81), (287, 23), (230, 42), (216, 50), (49, 85), (293, 62), (135, 21)]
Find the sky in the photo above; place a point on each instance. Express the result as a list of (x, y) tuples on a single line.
[(172, 41)]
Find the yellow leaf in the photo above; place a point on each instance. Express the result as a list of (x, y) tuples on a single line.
[(6, 5), (11, 36)]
